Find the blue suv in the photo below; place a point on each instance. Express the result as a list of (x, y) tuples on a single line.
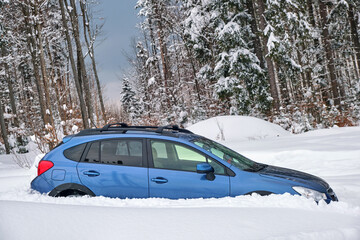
[(165, 162)]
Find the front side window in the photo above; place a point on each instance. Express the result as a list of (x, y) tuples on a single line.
[(126, 152), (169, 155), (228, 155), (186, 154)]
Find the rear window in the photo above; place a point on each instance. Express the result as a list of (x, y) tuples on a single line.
[(74, 153)]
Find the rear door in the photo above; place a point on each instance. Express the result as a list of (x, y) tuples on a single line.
[(172, 172), (115, 168)]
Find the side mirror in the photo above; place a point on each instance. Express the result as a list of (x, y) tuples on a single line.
[(206, 168)]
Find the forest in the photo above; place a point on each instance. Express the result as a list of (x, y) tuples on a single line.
[(292, 62)]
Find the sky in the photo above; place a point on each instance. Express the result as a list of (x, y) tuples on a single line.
[(120, 27)]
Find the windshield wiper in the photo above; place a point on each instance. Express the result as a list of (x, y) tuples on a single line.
[(261, 166), (256, 167)]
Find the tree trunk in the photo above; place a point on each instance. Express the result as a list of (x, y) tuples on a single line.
[(269, 62), (90, 46), (191, 59), (56, 76), (33, 51), (45, 78), (11, 91), (12, 103), (163, 57), (354, 34), (322, 91), (81, 65), (73, 67), (162, 47), (153, 48), (4, 133), (255, 31), (328, 52)]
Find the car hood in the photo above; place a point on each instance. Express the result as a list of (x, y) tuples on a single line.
[(293, 175)]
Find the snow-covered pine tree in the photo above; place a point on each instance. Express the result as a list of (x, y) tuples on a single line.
[(220, 33), (345, 45), (130, 103), (288, 32), (168, 71)]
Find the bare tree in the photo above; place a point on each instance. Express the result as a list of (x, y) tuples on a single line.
[(80, 58), (73, 66), (90, 46)]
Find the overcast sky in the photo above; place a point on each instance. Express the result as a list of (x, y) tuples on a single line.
[(119, 29)]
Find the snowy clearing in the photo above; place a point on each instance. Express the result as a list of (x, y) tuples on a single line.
[(332, 154)]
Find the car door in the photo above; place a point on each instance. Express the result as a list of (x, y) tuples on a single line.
[(172, 172), (115, 168)]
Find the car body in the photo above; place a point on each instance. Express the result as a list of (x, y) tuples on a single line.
[(164, 162)]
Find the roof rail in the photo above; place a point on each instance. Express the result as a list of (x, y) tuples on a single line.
[(123, 128), (106, 127), (172, 127)]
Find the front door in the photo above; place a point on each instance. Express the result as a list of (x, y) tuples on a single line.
[(173, 173)]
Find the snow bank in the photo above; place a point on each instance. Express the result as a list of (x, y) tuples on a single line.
[(237, 128), (29, 220), (332, 154)]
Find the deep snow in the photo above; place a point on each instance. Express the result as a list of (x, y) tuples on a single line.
[(332, 154)]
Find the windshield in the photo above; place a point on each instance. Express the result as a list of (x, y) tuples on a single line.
[(228, 155)]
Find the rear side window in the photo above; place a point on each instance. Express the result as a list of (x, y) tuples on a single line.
[(129, 148), (93, 155), (122, 152), (125, 152), (74, 153)]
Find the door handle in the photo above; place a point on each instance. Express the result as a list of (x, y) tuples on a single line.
[(91, 173), (159, 180)]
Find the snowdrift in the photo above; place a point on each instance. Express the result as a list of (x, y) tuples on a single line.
[(237, 128)]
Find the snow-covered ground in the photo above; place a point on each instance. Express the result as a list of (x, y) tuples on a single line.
[(332, 154)]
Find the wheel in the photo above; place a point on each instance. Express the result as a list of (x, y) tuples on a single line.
[(70, 193)]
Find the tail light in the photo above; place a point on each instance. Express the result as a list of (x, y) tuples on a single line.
[(43, 166)]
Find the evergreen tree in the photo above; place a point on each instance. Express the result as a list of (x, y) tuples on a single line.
[(130, 103), (249, 57), (220, 33)]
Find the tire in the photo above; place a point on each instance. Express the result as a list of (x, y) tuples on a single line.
[(70, 193), (71, 189), (261, 193)]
